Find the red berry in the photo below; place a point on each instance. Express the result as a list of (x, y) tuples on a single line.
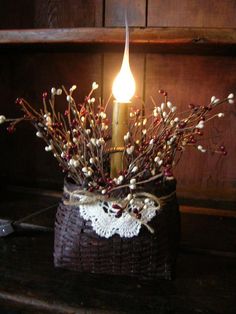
[(19, 101), (116, 206), (10, 129), (68, 156), (182, 124)]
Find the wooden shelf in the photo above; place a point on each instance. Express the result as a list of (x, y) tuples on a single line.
[(210, 39)]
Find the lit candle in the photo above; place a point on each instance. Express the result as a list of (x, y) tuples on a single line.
[(123, 90)]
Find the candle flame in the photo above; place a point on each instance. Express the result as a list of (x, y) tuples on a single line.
[(123, 88)]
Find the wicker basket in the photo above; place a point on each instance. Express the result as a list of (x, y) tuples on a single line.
[(78, 247)]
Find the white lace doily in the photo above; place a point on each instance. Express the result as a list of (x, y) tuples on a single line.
[(105, 223)]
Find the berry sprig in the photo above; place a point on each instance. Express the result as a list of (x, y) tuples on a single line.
[(80, 140)]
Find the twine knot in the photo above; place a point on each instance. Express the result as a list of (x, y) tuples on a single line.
[(80, 197)]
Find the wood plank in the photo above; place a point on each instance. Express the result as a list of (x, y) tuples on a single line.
[(143, 36), (24, 14), (194, 79), (115, 12), (194, 13), (68, 13)]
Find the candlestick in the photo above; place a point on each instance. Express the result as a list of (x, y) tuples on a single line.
[(119, 129), (123, 90)]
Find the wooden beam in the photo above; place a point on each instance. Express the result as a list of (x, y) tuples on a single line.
[(141, 36)]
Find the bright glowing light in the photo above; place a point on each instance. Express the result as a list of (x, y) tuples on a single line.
[(123, 88)]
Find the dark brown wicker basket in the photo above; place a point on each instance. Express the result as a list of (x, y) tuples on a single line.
[(78, 247)]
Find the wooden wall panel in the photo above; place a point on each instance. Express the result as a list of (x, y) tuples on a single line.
[(16, 14), (194, 79), (115, 12), (23, 14), (68, 13), (28, 75), (192, 13)]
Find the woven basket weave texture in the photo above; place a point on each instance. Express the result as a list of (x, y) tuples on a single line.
[(78, 247)]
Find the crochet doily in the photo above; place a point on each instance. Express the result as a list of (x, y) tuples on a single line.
[(106, 224)]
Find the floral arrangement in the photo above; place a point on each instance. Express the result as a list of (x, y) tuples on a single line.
[(80, 140)]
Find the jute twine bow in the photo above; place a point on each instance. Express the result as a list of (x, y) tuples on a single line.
[(83, 197)]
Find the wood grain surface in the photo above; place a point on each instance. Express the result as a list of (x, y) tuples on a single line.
[(23, 14), (192, 13), (115, 11), (194, 79), (143, 36), (68, 13)]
